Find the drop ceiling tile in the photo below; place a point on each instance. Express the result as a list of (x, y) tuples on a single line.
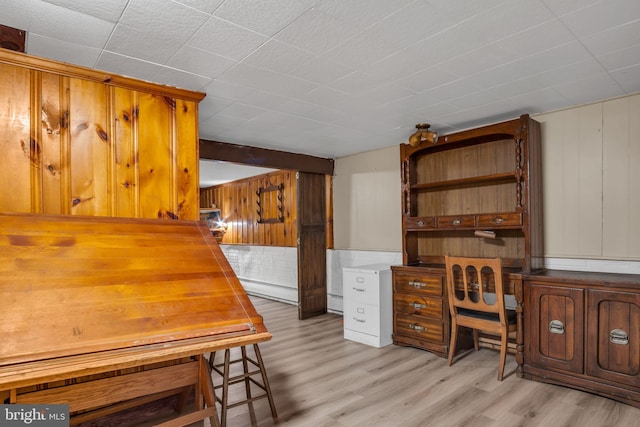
[(316, 32), (416, 102), (628, 78), (17, 13), (266, 18), (278, 56), (218, 124), (136, 42), (325, 96), (172, 21), (562, 7), (477, 61), (211, 105), (127, 66), (427, 79), (309, 110), (362, 13), (109, 10), (53, 21), (452, 90), (593, 88), (264, 99), (320, 70), (555, 58), (516, 87), (541, 100), (242, 111), (61, 50), (542, 37), (409, 25), (226, 39), (433, 113), (399, 65), (601, 16), (474, 100), (621, 58), (206, 6), (386, 93), (228, 90), (200, 62), (356, 83), (460, 10), (613, 39), (361, 51), (571, 72), (267, 80), (178, 78)]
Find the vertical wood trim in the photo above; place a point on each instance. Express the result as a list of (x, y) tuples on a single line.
[(173, 159), (65, 147), (135, 150), (35, 141)]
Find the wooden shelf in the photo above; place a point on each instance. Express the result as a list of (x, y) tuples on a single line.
[(461, 182)]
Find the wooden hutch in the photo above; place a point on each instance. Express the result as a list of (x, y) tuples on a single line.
[(461, 187)]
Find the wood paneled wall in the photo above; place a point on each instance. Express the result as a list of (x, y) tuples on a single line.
[(238, 203), (84, 142)]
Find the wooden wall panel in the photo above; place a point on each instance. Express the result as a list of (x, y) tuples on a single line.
[(76, 141), (15, 181), (238, 202)]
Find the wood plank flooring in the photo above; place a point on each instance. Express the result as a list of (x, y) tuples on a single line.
[(320, 379)]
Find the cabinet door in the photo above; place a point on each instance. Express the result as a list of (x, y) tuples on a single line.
[(554, 320), (613, 339)]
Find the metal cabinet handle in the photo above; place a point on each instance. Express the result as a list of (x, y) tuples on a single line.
[(420, 223), (618, 336), (417, 284), (359, 320), (417, 328), (556, 327), (498, 220), (359, 289), (417, 305), (456, 221)]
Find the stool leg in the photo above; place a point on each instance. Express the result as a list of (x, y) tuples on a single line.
[(265, 381), (225, 388), (245, 367)]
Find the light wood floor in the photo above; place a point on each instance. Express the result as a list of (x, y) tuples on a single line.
[(319, 379)]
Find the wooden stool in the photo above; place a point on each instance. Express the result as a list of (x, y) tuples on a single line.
[(246, 377)]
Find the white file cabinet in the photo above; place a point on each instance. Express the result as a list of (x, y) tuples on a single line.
[(368, 303)]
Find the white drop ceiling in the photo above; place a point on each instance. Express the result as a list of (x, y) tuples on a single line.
[(332, 78)]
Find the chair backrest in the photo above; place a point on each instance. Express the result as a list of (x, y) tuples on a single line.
[(475, 284)]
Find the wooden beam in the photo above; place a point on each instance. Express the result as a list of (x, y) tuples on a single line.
[(12, 38), (215, 150)]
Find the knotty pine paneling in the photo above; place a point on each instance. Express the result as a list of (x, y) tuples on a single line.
[(238, 203), (79, 141)]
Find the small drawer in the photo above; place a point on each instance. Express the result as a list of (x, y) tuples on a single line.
[(500, 220), (456, 221), (418, 327), (419, 223), (363, 318), (418, 284), (418, 305), (361, 286)]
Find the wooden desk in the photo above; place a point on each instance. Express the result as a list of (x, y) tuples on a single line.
[(100, 311)]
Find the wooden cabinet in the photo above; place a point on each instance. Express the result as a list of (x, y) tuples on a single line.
[(367, 304), (583, 331), (85, 142), (420, 310), (455, 192), (485, 179)]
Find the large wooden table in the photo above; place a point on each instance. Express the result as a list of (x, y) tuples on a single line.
[(107, 313)]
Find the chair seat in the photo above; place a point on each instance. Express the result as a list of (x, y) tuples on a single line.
[(511, 315)]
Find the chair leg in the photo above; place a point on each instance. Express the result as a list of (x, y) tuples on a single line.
[(503, 354), (452, 344)]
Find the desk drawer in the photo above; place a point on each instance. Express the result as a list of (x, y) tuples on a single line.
[(420, 305), (418, 284), (418, 327)]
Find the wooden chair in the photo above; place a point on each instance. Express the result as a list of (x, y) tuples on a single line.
[(476, 301)]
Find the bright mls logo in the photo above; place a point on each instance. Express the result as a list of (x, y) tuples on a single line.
[(34, 415)]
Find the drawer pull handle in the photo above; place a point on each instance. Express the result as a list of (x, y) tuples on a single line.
[(556, 327), (456, 221), (618, 336), (420, 223), (358, 289), (417, 328), (498, 220), (417, 305), (417, 284), (359, 320)]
